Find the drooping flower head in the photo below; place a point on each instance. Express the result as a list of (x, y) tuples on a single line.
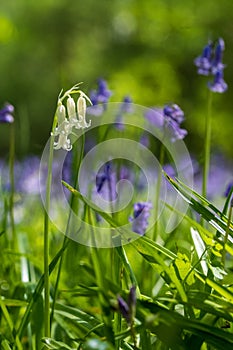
[(103, 176), (203, 62), (6, 114), (173, 117), (210, 63), (218, 85), (127, 309), (99, 98), (216, 63), (140, 217), (169, 118), (125, 107), (76, 117)]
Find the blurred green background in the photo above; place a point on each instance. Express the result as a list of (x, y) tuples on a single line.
[(143, 48)]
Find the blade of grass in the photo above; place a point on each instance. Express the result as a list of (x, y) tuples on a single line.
[(10, 324), (36, 294), (215, 218)]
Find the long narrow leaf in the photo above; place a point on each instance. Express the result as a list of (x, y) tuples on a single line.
[(143, 245), (213, 216)]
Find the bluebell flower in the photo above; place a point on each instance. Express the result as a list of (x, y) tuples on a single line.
[(203, 62), (65, 125), (6, 114), (124, 309), (210, 63), (104, 176), (140, 217), (173, 112), (216, 63), (125, 107), (127, 309), (174, 116), (170, 117), (99, 98), (218, 85)]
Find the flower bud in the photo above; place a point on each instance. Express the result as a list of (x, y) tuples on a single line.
[(71, 108), (61, 114), (81, 106)]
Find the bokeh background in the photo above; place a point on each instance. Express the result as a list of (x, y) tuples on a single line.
[(142, 48)]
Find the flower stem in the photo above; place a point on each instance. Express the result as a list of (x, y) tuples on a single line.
[(207, 146), (12, 186), (158, 190), (77, 161), (46, 239)]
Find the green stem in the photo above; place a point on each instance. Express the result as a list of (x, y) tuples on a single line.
[(158, 191), (207, 146), (12, 188), (46, 239), (72, 205)]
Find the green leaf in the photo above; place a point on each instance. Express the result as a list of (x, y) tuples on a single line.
[(37, 293), (200, 249), (53, 344), (169, 326), (78, 315), (5, 345), (209, 212), (184, 267)]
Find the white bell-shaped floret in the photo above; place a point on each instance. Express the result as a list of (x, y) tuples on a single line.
[(61, 114), (63, 142), (71, 108), (82, 107)]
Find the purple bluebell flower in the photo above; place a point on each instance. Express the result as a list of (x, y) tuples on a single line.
[(127, 309), (6, 114), (132, 298), (140, 217), (218, 85), (125, 107), (99, 98), (170, 117), (174, 116), (173, 112), (210, 63), (203, 62), (103, 176), (216, 63), (124, 309)]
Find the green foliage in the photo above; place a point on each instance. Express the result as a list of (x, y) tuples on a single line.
[(145, 49)]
